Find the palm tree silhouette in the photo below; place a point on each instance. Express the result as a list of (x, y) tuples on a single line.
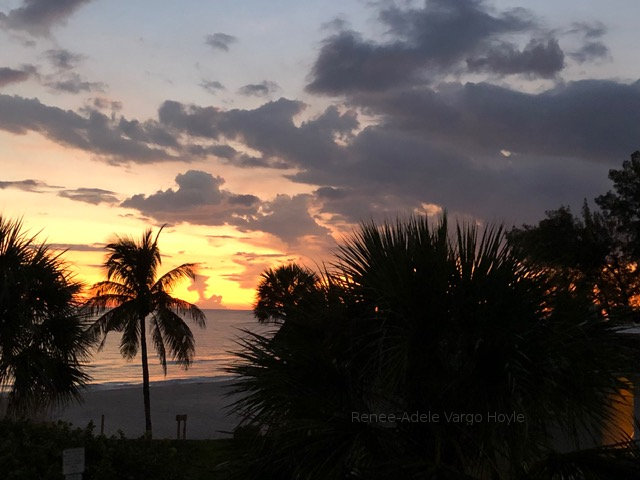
[(414, 318), (42, 338), (281, 291), (131, 294)]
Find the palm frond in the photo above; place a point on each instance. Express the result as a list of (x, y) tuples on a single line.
[(181, 308), (158, 342), (110, 287), (177, 336), (113, 320), (167, 281), (130, 340)]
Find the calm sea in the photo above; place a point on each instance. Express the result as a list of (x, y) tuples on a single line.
[(110, 370)]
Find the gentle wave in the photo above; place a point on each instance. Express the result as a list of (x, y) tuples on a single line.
[(177, 381), (109, 369)]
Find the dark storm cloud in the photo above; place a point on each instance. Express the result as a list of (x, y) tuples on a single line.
[(392, 173), (424, 42), (63, 59), (220, 41), (262, 89), (12, 75), (95, 132), (591, 119), (538, 58), (443, 147), (94, 196), (38, 16), (212, 86)]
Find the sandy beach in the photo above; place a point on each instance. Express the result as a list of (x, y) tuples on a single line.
[(202, 402)]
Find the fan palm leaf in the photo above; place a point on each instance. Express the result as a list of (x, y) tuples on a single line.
[(43, 345)]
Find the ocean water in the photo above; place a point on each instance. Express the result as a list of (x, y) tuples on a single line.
[(109, 369)]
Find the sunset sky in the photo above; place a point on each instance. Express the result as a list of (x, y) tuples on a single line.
[(262, 132)]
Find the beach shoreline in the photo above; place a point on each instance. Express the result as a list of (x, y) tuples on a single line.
[(203, 400)]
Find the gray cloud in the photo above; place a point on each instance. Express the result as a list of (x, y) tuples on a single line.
[(220, 41), (79, 247), (438, 145), (443, 147), (28, 185), (38, 16), (538, 58), (212, 86), (200, 200), (262, 89), (63, 59), (588, 30), (72, 83), (591, 119), (11, 75), (424, 43), (286, 217), (591, 51), (94, 196), (94, 133), (592, 48), (102, 103), (269, 129)]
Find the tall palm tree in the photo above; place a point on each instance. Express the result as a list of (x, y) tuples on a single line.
[(42, 340), (132, 294)]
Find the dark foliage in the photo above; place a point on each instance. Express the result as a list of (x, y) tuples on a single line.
[(412, 320), (42, 340), (622, 205), (31, 451), (584, 253)]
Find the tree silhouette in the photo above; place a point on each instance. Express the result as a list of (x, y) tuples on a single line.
[(281, 292), (131, 295), (411, 319), (42, 340), (622, 206)]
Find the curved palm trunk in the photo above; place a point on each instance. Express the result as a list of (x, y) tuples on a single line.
[(145, 379)]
